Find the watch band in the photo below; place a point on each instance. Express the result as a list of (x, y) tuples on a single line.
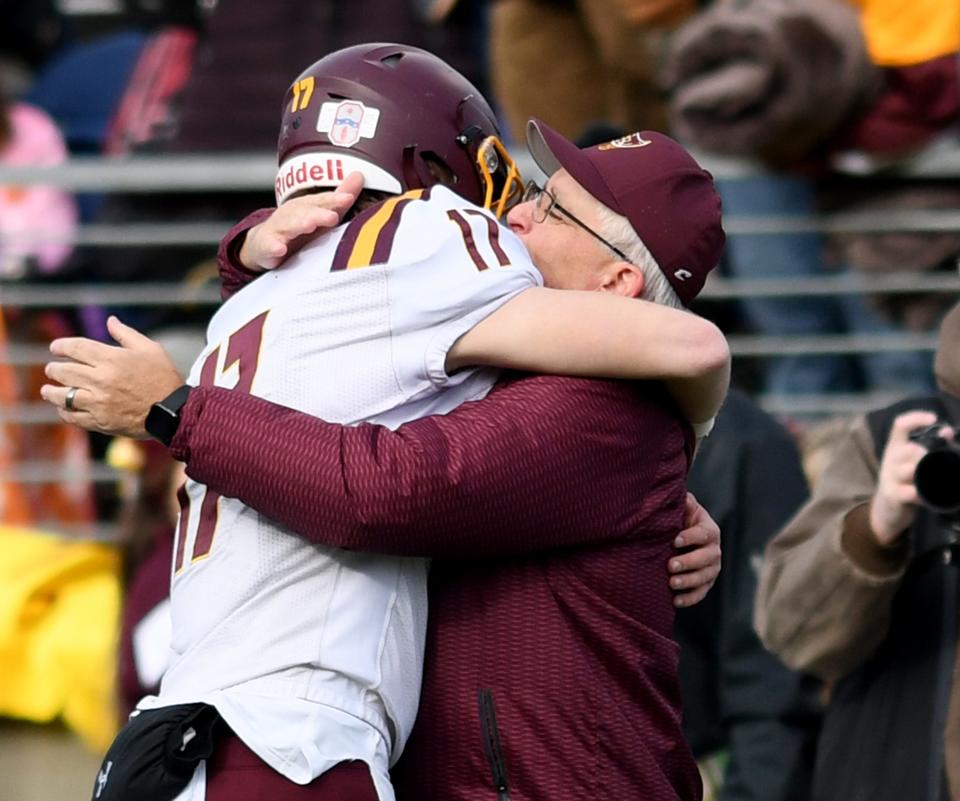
[(163, 419)]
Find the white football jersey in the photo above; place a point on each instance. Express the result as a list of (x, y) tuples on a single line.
[(314, 655)]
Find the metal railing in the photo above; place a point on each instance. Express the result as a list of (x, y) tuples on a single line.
[(255, 172)]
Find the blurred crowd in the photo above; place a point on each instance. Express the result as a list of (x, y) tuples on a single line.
[(812, 105)]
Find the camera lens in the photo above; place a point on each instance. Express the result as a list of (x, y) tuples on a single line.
[(937, 479)]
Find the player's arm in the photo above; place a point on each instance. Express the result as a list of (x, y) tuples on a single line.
[(601, 334), (541, 330), (266, 238), (234, 273)]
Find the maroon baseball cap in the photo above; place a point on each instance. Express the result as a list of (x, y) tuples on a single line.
[(650, 179)]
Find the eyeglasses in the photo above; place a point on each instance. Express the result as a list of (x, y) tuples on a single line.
[(545, 205)]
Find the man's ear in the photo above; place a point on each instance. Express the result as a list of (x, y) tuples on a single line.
[(623, 278)]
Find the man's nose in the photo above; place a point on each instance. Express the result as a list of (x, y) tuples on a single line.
[(520, 217)]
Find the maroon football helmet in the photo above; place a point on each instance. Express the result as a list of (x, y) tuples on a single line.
[(402, 117)]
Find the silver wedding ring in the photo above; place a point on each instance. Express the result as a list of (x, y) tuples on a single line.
[(71, 397)]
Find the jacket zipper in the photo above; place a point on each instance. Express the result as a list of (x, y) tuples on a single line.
[(491, 744)]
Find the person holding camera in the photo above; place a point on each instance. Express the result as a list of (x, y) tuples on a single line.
[(861, 588)]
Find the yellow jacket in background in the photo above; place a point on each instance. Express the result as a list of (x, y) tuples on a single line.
[(59, 624)]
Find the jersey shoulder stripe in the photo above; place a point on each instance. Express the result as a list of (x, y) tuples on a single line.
[(369, 236)]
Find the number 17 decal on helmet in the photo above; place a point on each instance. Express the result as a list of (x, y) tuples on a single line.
[(399, 115)]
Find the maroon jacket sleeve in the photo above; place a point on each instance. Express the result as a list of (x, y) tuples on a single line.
[(233, 275), (518, 471)]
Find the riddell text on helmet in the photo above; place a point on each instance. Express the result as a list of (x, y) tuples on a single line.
[(307, 174)]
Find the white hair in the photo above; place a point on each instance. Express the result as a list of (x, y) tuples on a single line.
[(616, 229)]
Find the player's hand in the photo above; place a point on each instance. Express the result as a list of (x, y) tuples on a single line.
[(116, 385), (695, 571), (894, 503), (296, 222)]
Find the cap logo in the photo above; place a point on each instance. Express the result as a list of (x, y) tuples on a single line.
[(347, 122), (682, 275), (630, 140)]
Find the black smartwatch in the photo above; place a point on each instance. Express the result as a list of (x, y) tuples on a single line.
[(164, 416)]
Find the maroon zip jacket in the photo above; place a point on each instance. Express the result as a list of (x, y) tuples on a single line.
[(550, 508)]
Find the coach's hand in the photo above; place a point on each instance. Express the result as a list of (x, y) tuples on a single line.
[(695, 571), (296, 222), (110, 388)]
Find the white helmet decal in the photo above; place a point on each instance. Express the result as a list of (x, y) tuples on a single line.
[(347, 122)]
